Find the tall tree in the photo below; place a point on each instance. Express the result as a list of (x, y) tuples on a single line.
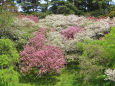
[(29, 5), (90, 5), (44, 6), (63, 7)]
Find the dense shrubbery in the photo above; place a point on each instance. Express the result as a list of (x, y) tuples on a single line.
[(33, 18), (70, 32), (110, 73), (6, 20), (62, 7), (41, 15), (40, 57), (17, 29), (97, 56), (90, 62), (8, 59), (112, 12), (8, 52), (91, 29)]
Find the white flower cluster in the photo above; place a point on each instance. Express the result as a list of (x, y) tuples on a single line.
[(110, 74), (56, 38), (112, 22), (92, 27), (23, 22), (59, 22)]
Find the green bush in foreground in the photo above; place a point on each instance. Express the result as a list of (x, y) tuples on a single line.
[(96, 57), (9, 77), (8, 59)]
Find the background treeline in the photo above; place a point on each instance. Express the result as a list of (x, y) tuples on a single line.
[(78, 7)]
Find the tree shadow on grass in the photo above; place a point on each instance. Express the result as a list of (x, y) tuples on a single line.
[(65, 77), (46, 80)]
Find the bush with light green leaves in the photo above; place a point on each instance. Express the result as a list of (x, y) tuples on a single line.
[(9, 57), (96, 57)]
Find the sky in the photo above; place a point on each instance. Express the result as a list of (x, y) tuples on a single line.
[(113, 1), (42, 1)]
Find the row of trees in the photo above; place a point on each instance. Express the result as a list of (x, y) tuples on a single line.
[(57, 6)]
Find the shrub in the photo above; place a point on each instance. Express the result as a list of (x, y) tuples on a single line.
[(23, 22), (6, 20), (110, 74), (41, 15), (59, 22), (97, 56), (40, 57), (56, 39), (109, 45), (91, 29), (33, 18), (8, 52), (93, 60), (9, 77), (70, 32), (18, 30), (97, 13), (8, 59), (112, 12)]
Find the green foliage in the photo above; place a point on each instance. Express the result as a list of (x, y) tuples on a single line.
[(41, 15), (111, 14), (109, 45), (8, 59), (6, 18), (22, 35), (29, 5), (9, 77), (8, 52), (62, 7), (96, 56), (97, 13), (18, 32), (64, 10), (8, 6), (6, 21), (105, 48), (93, 61), (67, 77)]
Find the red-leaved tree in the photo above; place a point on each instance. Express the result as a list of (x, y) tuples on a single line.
[(38, 55)]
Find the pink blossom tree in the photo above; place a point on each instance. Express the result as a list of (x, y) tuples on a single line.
[(45, 58)]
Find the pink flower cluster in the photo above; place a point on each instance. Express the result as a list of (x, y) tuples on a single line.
[(33, 18), (38, 55), (100, 39), (70, 32)]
